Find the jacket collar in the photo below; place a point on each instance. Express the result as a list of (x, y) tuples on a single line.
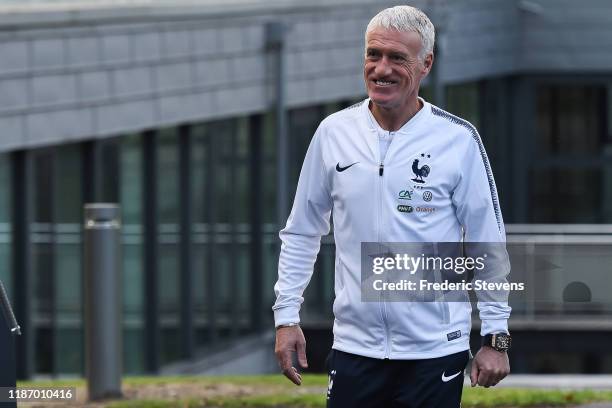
[(406, 127)]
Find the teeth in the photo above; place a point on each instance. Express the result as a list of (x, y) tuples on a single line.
[(378, 82)]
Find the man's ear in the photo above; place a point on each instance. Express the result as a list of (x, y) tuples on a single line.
[(427, 63)]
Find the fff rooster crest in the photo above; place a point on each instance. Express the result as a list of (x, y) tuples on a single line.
[(420, 172)]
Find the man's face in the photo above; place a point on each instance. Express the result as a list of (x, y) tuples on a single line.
[(392, 68)]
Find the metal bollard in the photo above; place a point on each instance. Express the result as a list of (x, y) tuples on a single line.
[(103, 300)]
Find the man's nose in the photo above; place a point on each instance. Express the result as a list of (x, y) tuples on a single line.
[(383, 67)]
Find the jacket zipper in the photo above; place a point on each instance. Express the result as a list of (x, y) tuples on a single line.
[(381, 172), (383, 303)]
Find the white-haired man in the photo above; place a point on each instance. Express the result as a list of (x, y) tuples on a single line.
[(386, 354)]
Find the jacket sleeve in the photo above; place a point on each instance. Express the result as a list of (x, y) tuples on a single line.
[(301, 237), (477, 208)]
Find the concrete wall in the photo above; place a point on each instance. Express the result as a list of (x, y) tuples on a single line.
[(566, 36), (69, 75), (480, 40), (249, 356)]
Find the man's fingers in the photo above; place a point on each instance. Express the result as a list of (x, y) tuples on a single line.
[(285, 363), (292, 374), (284, 359), (495, 378), (500, 376), (301, 354), (490, 377), (474, 374), (489, 368), (484, 378), (496, 375)]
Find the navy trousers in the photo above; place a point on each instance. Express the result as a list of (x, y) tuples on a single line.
[(363, 382)]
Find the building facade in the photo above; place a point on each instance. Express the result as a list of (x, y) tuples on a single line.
[(171, 111)]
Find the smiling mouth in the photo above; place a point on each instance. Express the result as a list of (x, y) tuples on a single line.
[(381, 82)]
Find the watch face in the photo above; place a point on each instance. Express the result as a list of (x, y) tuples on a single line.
[(503, 341)]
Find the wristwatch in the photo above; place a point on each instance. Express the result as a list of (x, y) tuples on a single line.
[(499, 341), (287, 325)]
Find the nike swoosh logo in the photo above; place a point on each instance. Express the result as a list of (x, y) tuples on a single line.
[(447, 379), (341, 169)]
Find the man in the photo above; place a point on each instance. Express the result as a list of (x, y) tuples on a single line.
[(384, 353)]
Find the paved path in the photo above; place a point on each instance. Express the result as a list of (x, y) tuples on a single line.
[(560, 381), (597, 405), (557, 381)]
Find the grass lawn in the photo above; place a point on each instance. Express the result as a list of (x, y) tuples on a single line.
[(275, 391)]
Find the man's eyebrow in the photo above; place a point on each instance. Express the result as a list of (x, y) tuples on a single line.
[(392, 53)]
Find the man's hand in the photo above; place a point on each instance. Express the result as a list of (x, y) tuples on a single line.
[(288, 341), (489, 367)]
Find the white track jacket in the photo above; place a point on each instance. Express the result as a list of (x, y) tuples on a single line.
[(343, 176)]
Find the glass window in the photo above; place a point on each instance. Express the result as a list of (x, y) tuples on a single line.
[(68, 356), (167, 173), (199, 154), (199, 168), (319, 296), (131, 180), (462, 100), (133, 324), (268, 182), (222, 135), (220, 160), (269, 217), (223, 138), (202, 173), (241, 190), (168, 240), (242, 295), (302, 124), (571, 119), (109, 178), (563, 195), (42, 162), (570, 181), (56, 258), (130, 184), (42, 257)]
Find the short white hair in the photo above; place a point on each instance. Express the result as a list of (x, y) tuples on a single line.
[(405, 19)]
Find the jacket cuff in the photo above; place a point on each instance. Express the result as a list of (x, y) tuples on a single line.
[(491, 326), (286, 315)]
